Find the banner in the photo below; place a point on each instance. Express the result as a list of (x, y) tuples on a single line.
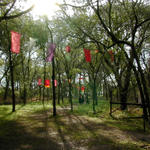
[(55, 83), (96, 51), (47, 83), (50, 52), (87, 55), (82, 88), (81, 78), (39, 82), (68, 49), (15, 42), (112, 55)]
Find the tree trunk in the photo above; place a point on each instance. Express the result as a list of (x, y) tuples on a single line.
[(105, 89), (94, 111), (117, 94), (145, 89), (44, 81), (12, 81), (24, 95), (135, 95), (123, 99), (54, 95), (59, 88), (87, 96), (62, 92), (24, 83), (48, 94), (138, 79), (143, 81), (124, 89), (6, 88), (70, 96), (96, 100), (141, 92), (40, 92)]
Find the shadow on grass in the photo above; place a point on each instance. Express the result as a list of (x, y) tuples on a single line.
[(39, 130), (99, 141), (53, 124), (62, 135), (76, 132), (6, 112), (14, 136)]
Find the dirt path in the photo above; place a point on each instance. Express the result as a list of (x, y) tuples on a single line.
[(41, 131), (73, 132)]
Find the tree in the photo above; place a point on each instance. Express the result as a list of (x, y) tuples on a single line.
[(121, 22), (8, 10)]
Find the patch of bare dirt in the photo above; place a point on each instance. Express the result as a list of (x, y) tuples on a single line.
[(73, 132)]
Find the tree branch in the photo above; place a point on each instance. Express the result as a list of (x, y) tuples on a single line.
[(17, 15)]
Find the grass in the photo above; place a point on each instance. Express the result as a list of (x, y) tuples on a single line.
[(33, 127), (87, 109)]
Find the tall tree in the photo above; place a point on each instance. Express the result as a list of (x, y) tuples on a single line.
[(121, 22)]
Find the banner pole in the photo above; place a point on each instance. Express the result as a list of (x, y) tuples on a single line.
[(12, 80), (53, 78)]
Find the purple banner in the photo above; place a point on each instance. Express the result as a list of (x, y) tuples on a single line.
[(50, 52)]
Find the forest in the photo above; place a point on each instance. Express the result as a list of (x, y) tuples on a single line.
[(79, 80)]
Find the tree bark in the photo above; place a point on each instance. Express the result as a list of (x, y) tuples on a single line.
[(54, 95), (94, 111), (70, 96), (144, 83), (141, 92), (59, 86), (44, 80), (24, 82), (6, 89), (12, 81)]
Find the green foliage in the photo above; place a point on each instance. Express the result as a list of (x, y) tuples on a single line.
[(86, 109), (99, 29)]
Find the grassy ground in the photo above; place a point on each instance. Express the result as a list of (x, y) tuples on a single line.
[(32, 127)]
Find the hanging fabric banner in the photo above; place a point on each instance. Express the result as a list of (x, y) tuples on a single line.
[(50, 52), (96, 51), (81, 78), (112, 55), (87, 55), (47, 83), (82, 88), (15, 42), (68, 49), (55, 83), (39, 82)]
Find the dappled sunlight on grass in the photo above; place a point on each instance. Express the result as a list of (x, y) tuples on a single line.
[(34, 127)]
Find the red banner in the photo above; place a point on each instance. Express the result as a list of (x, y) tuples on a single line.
[(39, 81), (55, 83), (15, 42), (112, 55), (87, 55), (47, 83), (81, 78), (68, 49), (82, 88)]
